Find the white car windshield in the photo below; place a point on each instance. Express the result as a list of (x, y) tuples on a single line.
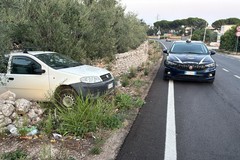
[(57, 61)]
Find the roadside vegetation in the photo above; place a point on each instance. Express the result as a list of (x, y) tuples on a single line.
[(83, 29), (229, 40), (91, 119)]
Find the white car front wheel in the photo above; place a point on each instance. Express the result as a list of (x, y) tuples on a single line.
[(67, 97)]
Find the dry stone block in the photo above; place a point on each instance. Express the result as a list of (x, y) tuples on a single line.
[(2, 119), (35, 120), (7, 109), (22, 106), (7, 121), (38, 111), (8, 96), (14, 115), (9, 102), (32, 114)]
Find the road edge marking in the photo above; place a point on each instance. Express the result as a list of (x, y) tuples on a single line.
[(225, 70), (237, 76), (170, 141)]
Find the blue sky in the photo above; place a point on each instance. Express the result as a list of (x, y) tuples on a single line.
[(210, 10)]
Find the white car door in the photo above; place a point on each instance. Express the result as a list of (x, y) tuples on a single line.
[(27, 79), (3, 87)]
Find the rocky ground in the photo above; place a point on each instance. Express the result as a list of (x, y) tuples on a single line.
[(42, 147)]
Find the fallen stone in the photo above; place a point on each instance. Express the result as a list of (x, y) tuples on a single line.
[(7, 121), (14, 116), (1, 116), (32, 114), (38, 111), (22, 106), (7, 109), (35, 120), (8, 96), (9, 102)]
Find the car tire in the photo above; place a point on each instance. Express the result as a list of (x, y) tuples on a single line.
[(67, 97)]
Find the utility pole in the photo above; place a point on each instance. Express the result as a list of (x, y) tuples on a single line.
[(205, 32)]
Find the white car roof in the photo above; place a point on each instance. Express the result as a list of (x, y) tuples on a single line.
[(31, 52)]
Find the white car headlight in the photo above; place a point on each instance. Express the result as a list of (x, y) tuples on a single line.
[(91, 79)]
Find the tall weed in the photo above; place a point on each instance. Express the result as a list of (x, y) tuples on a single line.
[(87, 116)]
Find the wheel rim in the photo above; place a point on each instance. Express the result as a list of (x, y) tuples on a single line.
[(68, 100)]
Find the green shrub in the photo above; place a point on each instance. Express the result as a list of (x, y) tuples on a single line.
[(81, 29), (126, 102), (132, 72), (48, 124), (95, 150), (87, 116), (146, 71), (125, 80), (112, 121), (228, 40), (138, 83)]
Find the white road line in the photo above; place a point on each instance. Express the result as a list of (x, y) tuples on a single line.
[(217, 65), (225, 70), (237, 76), (170, 142), (163, 45)]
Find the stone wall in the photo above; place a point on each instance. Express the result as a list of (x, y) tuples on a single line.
[(15, 113), (134, 58)]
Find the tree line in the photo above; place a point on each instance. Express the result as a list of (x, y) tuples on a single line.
[(198, 25), (82, 29)]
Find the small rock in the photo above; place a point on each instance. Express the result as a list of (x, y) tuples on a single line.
[(2, 125), (7, 121), (1, 116), (22, 106), (35, 120), (7, 109), (9, 102), (2, 120), (14, 116), (8, 96), (38, 111), (32, 114)]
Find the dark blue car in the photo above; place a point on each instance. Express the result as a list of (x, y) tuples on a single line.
[(189, 60)]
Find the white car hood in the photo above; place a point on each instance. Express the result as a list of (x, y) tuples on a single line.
[(85, 70)]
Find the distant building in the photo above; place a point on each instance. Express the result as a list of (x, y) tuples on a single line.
[(224, 28)]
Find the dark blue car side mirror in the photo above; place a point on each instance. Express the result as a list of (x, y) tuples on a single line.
[(165, 51), (212, 52)]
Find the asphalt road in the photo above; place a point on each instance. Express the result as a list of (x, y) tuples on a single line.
[(206, 121)]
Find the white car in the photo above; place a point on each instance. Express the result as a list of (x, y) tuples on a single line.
[(40, 75)]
